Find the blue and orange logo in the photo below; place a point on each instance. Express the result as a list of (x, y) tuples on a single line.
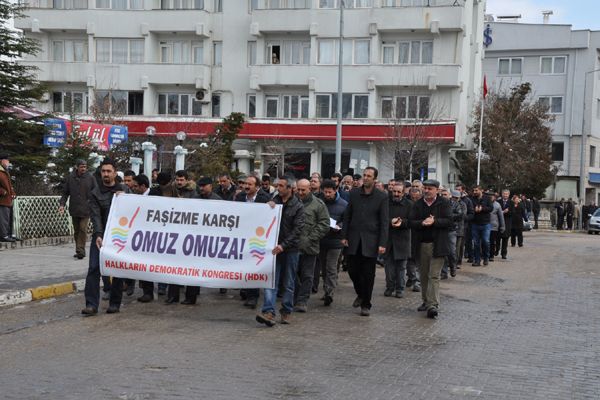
[(258, 245), (119, 234)]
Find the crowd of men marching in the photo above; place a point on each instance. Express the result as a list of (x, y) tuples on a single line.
[(419, 231)]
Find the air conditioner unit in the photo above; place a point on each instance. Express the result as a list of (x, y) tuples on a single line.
[(202, 96)]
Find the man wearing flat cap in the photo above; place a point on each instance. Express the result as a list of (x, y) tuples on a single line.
[(431, 219), (7, 195), (205, 188)]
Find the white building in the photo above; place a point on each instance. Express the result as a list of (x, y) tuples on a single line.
[(559, 63), (181, 64)]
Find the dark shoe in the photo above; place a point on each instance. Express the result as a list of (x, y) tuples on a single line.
[(130, 290), (189, 301), (444, 277), (520, 245), (453, 272), (422, 307), (314, 290), (409, 283), (328, 300), (266, 318), (457, 266), (75, 255), (416, 287), (222, 291), (469, 260), (491, 259), (80, 256), (485, 262), (399, 294), (172, 300), (357, 302), (476, 264), (112, 309), (7, 239), (285, 319), (388, 292), (89, 311), (250, 303), (147, 298), (300, 308), (162, 292), (432, 313), (504, 257), (365, 312), (106, 296)]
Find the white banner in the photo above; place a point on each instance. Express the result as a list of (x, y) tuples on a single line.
[(211, 243)]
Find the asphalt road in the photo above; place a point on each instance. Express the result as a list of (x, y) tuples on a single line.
[(526, 328)]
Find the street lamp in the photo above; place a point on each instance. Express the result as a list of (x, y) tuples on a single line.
[(179, 151), (181, 137), (135, 159), (149, 148), (583, 146)]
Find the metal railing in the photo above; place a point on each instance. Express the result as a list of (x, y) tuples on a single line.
[(38, 217)]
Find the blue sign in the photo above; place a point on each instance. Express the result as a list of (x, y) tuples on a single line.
[(56, 132), (117, 135), (487, 36)]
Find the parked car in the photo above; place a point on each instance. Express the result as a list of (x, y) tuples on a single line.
[(594, 222)]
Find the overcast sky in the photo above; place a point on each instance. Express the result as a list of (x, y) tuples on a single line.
[(582, 14)]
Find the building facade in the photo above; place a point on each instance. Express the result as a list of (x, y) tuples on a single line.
[(181, 65), (562, 66)]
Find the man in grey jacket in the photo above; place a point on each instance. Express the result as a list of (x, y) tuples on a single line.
[(78, 188), (497, 222), (316, 226)]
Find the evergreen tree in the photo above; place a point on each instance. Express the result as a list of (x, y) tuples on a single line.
[(516, 147)]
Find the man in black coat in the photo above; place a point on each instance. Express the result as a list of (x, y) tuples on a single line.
[(365, 233), (226, 189), (480, 226), (431, 219), (100, 201), (507, 209), (78, 189), (252, 194), (535, 209), (399, 244)]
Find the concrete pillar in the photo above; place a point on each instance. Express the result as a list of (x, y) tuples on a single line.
[(243, 160), (149, 148), (259, 166), (135, 164), (373, 159), (315, 159), (180, 154)]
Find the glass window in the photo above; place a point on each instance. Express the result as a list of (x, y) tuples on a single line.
[(173, 103), (401, 104), (423, 107), (515, 66), (119, 51), (218, 6), (252, 105), (304, 107), (103, 50), (592, 156), (558, 151), (546, 65), (388, 54), (361, 51), (102, 3), (327, 4), (57, 101), (119, 4), (217, 53), (135, 104), (556, 106), (215, 105), (198, 52), (77, 103), (165, 52), (361, 106), (560, 65), (162, 104), (185, 104), (413, 106), (196, 107), (136, 51), (252, 53), (58, 51), (386, 107), (427, 53), (80, 51), (272, 106), (544, 102), (503, 66), (323, 105), (326, 51), (415, 52), (136, 4), (403, 52), (347, 52)]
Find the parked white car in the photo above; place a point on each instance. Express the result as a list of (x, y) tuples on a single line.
[(594, 222)]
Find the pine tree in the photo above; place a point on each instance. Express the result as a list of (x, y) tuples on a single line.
[(516, 147)]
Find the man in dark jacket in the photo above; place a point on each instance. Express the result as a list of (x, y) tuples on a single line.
[(7, 195), (252, 193), (186, 188), (507, 210), (292, 222), (316, 226), (331, 244), (480, 226), (431, 219), (399, 242), (205, 188), (226, 190), (78, 189), (365, 233), (100, 201)]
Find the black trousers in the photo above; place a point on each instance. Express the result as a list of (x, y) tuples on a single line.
[(504, 241), (516, 235), (362, 272), (92, 281), (493, 242), (468, 241)]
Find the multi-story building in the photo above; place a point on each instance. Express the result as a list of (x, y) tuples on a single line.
[(179, 65), (563, 67)]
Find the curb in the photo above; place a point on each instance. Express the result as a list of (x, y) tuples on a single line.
[(41, 292), (36, 242)]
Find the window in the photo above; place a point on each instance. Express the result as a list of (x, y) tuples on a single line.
[(278, 4), (272, 106), (347, 3), (592, 156), (120, 51), (179, 51), (120, 4), (251, 53), (558, 151), (119, 102), (135, 101), (356, 51), (182, 4), (509, 66), (70, 4), (198, 52), (251, 106), (353, 105), (413, 52), (289, 52), (70, 50), (388, 53), (401, 107), (553, 104), (216, 105), (217, 53), (553, 65), (178, 104), (70, 102), (295, 106), (218, 6)]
